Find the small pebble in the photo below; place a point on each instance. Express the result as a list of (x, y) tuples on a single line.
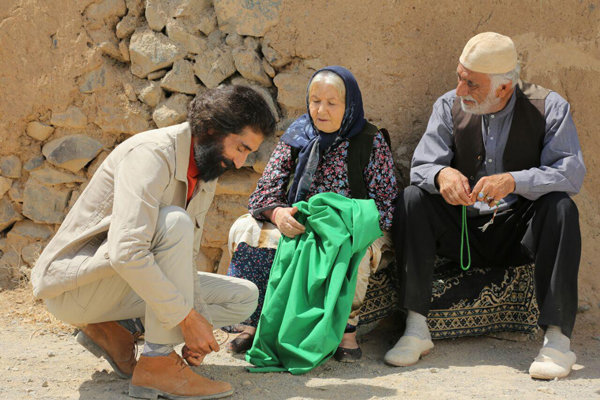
[(433, 370), (45, 384), (51, 354), (29, 380), (596, 337), (583, 308), (246, 383)]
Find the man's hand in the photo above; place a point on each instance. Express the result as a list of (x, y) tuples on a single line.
[(198, 334), (194, 359), (493, 188), (283, 217), (454, 187)]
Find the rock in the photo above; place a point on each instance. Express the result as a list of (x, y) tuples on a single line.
[(152, 76), (269, 70), (51, 176), (248, 18), (44, 204), (252, 43), (112, 50), (94, 165), (583, 308), (10, 166), (177, 32), (124, 50), (105, 11), (172, 111), (6, 276), (264, 154), (45, 384), (291, 89), (129, 91), (72, 118), (214, 66), (597, 337), (29, 231), (94, 80), (136, 7), (216, 39), (33, 163), (5, 184), (240, 182), (191, 7), (39, 131), (181, 78), (31, 252), (249, 65), (8, 214), (152, 94), (207, 22), (234, 40), (150, 51), (127, 25), (114, 119), (16, 192), (262, 91), (274, 57), (157, 13), (71, 152)]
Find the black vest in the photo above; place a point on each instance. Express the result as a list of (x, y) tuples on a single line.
[(525, 139)]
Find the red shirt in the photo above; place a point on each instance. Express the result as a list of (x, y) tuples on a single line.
[(192, 173)]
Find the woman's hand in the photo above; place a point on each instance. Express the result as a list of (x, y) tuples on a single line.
[(283, 218)]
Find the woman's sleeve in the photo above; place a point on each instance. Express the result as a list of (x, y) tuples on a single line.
[(272, 186), (381, 181)]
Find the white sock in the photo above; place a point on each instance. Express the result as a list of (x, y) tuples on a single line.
[(416, 325), (555, 339)]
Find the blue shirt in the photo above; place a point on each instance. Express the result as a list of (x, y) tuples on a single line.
[(561, 169)]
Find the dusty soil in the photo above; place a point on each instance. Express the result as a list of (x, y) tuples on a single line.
[(39, 359)]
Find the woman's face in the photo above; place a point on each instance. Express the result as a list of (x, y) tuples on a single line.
[(326, 107)]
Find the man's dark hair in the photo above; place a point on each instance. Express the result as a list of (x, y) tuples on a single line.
[(229, 109)]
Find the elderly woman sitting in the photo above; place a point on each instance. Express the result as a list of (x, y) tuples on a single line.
[(320, 152)]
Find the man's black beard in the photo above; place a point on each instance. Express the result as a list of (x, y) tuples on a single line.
[(209, 159)]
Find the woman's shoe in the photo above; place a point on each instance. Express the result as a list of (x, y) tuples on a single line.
[(241, 343), (347, 355)]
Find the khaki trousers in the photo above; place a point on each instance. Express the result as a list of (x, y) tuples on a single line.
[(223, 300)]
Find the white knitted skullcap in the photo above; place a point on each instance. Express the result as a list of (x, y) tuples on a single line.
[(489, 53)]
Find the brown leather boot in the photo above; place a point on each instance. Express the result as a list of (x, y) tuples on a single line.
[(170, 377), (113, 342)]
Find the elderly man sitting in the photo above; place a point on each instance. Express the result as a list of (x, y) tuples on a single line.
[(491, 179)]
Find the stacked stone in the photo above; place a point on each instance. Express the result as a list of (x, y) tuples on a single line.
[(153, 56)]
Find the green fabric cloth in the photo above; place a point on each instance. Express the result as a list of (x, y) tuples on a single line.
[(312, 284)]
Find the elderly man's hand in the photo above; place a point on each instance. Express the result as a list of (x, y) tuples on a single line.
[(283, 217), (454, 187), (493, 188), (198, 334)]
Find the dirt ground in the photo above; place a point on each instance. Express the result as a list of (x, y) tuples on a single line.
[(39, 359)]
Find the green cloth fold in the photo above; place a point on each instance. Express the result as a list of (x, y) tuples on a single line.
[(312, 284)]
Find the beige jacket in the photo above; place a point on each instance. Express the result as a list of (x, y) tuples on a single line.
[(117, 213)]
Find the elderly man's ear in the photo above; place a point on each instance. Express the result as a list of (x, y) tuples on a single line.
[(505, 90)]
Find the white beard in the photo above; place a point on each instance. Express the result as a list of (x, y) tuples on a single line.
[(485, 107)]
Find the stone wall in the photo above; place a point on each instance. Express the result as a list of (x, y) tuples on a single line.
[(78, 80)]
